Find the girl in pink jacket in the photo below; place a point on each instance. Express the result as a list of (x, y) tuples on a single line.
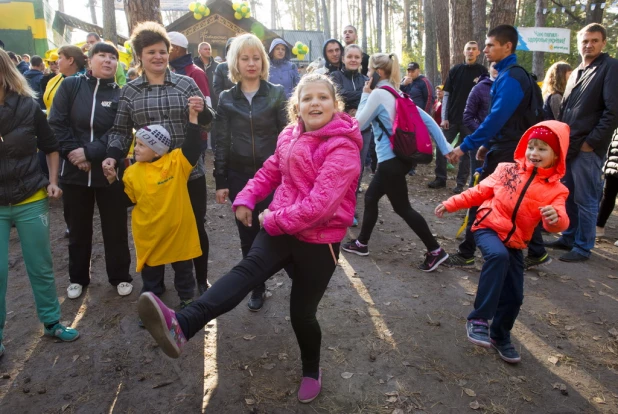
[(314, 173)]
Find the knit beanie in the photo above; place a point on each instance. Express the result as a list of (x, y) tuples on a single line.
[(156, 138), (546, 135)]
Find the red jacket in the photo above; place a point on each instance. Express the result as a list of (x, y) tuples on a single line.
[(510, 198), (199, 76)]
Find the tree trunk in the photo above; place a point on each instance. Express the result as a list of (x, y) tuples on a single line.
[(407, 32), (93, 12), (378, 25), (142, 11), (109, 21), (273, 14), (479, 25), (317, 15), (387, 27), (440, 11), (538, 58), (335, 17), (460, 22), (596, 15), (253, 9), (325, 20), (431, 46), (302, 8), (61, 6), (364, 23), (502, 12)]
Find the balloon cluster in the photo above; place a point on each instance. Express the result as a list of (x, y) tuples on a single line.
[(199, 10), (300, 50), (127, 47), (241, 10)]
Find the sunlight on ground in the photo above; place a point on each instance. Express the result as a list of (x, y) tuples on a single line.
[(376, 318), (111, 409), (211, 373)]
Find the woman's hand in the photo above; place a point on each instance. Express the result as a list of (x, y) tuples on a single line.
[(440, 210), (196, 103), (108, 163), (367, 87), (262, 216), (53, 191), (84, 166), (222, 195), (77, 156), (110, 174), (244, 215)]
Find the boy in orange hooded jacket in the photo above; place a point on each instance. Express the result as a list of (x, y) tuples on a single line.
[(513, 200)]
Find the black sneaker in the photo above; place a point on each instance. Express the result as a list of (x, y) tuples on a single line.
[(185, 303), (433, 260), (353, 246), (507, 352), (458, 189), (256, 302), (457, 260), (477, 331), (557, 244), (532, 262), (202, 287), (437, 183)]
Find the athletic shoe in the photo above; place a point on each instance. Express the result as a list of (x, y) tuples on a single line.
[(478, 332), (124, 288), (202, 287), (458, 189), (457, 260), (185, 303), (353, 246), (256, 301), (309, 389), (433, 260), (61, 332), (531, 262), (74, 290), (573, 257), (412, 172), (507, 352), (161, 323), (557, 244), (437, 183)]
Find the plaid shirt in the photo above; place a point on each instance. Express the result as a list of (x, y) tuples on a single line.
[(142, 104)]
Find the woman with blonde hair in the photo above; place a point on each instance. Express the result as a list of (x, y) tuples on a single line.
[(161, 97), (24, 192), (554, 85), (249, 118), (377, 108)]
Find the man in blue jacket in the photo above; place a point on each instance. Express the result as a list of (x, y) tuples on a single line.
[(498, 135), (34, 77)]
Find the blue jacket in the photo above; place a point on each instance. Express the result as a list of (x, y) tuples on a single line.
[(34, 78), (23, 67), (421, 92), (510, 98), (477, 105), (282, 71)]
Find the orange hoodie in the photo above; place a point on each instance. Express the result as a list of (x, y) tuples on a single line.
[(510, 198)]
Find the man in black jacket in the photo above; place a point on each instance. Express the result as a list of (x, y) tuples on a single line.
[(590, 108), (332, 52), (350, 37), (207, 63)]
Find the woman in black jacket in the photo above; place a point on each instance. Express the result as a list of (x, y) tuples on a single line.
[(350, 82), (249, 118), (84, 110), (24, 192)]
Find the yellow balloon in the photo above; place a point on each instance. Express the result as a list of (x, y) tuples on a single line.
[(237, 16), (192, 6), (207, 12), (201, 8), (197, 16), (248, 14), (300, 57), (235, 6), (295, 50)]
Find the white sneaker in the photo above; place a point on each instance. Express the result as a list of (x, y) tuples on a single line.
[(616, 243), (124, 288), (74, 290)]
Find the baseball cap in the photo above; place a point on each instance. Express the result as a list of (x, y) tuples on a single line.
[(413, 66), (178, 39)]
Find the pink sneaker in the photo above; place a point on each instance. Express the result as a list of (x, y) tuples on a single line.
[(162, 324), (309, 389)]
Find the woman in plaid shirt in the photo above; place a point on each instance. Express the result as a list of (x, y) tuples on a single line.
[(160, 97)]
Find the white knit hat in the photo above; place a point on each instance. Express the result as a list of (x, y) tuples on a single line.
[(156, 138), (178, 39)]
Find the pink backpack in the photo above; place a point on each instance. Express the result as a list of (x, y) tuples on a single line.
[(410, 140)]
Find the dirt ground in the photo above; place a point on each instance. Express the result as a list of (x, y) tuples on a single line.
[(393, 336)]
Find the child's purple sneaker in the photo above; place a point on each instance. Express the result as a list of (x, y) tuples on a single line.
[(309, 389), (162, 324)]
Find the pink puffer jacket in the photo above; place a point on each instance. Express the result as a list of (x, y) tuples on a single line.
[(315, 176)]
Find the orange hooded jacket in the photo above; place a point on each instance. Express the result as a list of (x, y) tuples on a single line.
[(510, 198)]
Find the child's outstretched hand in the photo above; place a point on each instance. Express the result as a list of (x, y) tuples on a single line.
[(110, 173), (196, 105), (244, 215), (440, 210), (550, 214)]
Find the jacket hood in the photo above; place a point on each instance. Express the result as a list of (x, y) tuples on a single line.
[(228, 44), (23, 66), (562, 130), (326, 62), (342, 125), (279, 41), (486, 79), (32, 74)]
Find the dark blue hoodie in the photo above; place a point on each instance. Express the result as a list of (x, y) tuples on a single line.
[(328, 65), (34, 77), (23, 67)]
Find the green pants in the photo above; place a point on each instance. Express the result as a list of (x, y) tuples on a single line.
[(32, 223)]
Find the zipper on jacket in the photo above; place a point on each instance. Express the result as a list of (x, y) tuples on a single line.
[(94, 103), (252, 137), (519, 200)]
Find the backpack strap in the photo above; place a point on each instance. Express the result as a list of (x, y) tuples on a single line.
[(396, 95)]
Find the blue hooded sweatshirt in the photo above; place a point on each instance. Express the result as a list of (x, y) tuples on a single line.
[(282, 71)]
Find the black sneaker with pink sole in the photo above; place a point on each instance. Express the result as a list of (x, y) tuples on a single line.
[(433, 260)]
